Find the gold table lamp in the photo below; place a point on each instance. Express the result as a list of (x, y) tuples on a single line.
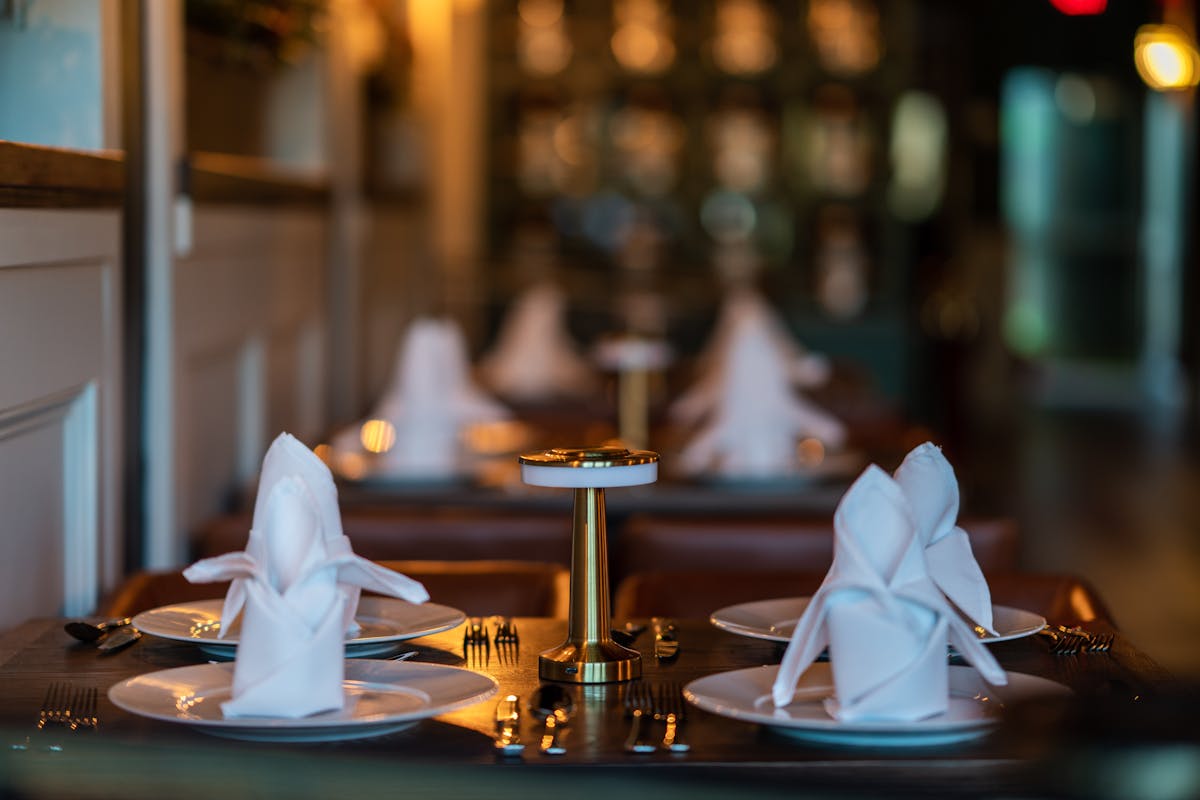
[(589, 655)]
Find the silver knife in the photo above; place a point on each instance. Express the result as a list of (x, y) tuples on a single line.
[(508, 727), (666, 646), (118, 639)]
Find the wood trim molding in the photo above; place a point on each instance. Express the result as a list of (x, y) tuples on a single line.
[(33, 176), (219, 179)]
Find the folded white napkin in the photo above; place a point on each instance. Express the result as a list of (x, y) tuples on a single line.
[(534, 357), (758, 417), (743, 308), (296, 586), (429, 401), (884, 621), (929, 484)]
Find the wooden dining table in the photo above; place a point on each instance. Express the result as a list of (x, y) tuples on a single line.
[(454, 752)]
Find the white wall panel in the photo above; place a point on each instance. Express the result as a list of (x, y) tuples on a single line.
[(59, 410)]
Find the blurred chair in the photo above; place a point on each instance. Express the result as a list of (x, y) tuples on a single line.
[(771, 543), (478, 588), (440, 534), (1062, 599)]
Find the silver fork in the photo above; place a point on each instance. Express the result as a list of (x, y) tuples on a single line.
[(507, 641), (476, 645), (56, 708), (506, 632), (639, 706), (83, 710), (670, 709), (1064, 644), (1089, 642)]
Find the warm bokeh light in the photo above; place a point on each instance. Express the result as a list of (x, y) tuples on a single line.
[(540, 13), (1166, 57), (352, 465), (744, 41), (642, 40), (846, 35), (325, 453), (496, 438), (543, 46), (377, 436), (810, 452)]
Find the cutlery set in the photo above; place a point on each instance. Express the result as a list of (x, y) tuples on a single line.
[(553, 705), (645, 704), (109, 636), (477, 646), (666, 646), (1064, 641), (70, 707)]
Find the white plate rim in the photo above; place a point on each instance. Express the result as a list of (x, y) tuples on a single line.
[(874, 732), (148, 622), (218, 676), (720, 619)]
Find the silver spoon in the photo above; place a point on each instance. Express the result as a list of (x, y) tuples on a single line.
[(553, 704), (89, 632)]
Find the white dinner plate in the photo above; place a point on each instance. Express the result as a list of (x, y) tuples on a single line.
[(775, 620), (381, 697), (383, 621), (975, 707)]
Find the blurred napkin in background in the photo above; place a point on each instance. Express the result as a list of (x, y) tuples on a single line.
[(534, 357), (932, 490), (744, 308), (430, 400), (884, 621), (296, 586), (756, 418)]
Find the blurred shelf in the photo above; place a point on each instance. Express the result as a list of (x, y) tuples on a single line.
[(33, 176), (222, 179)]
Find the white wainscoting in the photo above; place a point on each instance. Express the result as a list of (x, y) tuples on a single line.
[(60, 396), (250, 329)]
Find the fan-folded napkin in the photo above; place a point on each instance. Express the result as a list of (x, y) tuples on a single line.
[(534, 357), (430, 400), (885, 622), (296, 586), (758, 418), (742, 309)]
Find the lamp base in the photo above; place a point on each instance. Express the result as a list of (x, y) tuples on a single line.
[(590, 662)]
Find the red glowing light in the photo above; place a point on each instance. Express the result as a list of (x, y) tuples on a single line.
[(1079, 8)]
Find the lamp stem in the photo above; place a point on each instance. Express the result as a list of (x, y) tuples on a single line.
[(589, 654), (589, 610)]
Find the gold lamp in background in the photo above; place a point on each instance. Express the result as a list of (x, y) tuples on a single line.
[(589, 655), (1166, 58)]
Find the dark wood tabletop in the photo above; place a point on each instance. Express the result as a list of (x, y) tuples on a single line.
[(722, 750)]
